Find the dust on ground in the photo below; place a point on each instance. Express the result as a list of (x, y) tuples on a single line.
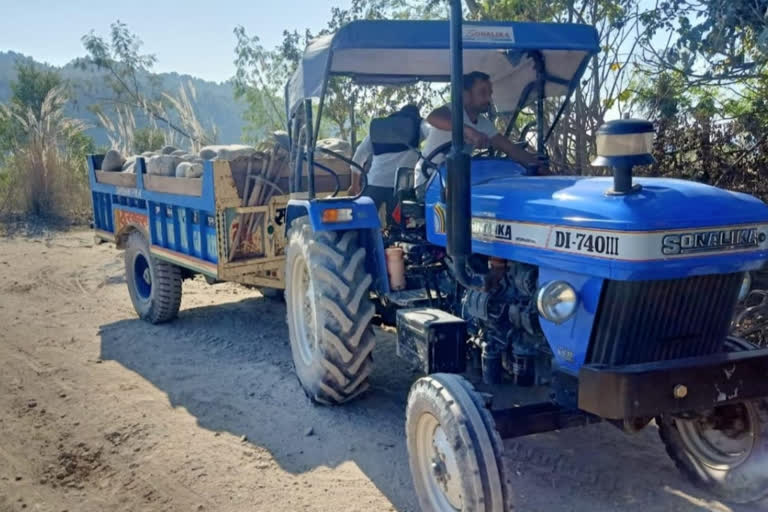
[(101, 411)]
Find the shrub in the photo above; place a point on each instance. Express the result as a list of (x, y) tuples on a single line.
[(45, 169)]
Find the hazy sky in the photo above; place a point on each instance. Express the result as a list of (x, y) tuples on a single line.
[(192, 37)]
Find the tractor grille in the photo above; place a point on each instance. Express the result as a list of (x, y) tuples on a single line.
[(646, 321)]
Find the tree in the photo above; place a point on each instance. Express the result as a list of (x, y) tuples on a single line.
[(127, 71), (28, 92), (147, 139), (262, 74), (259, 80), (32, 85), (709, 42)]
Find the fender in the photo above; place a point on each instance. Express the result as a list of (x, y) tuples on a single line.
[(127, 219), (365, 219)]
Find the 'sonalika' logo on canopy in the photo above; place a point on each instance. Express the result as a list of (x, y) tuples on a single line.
[(488, 34)]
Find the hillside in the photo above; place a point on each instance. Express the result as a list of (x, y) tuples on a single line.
[(215, 103)]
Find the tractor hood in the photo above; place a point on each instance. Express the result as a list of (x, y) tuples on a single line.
[(571, 221), (582, 201)]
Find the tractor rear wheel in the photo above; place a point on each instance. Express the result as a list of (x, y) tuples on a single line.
[(723, 450), (454, 450), (154, 285), (329, 312)]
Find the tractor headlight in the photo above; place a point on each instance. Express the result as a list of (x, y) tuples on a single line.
[(746, 285), (557, 301)]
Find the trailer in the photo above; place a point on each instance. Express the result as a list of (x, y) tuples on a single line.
[(227, 225)]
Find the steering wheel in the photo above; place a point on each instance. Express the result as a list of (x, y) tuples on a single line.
[(524, 132), (442, 149)]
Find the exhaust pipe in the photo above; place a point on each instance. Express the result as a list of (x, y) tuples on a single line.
[(459, 233)]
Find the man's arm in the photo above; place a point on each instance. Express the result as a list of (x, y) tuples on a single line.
[(513, 151), (440, 118)]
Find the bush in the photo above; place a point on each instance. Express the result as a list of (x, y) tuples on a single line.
[(725, 155), (45, 171)]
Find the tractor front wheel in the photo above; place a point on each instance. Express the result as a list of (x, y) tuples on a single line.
[(329, 312), (454, 450)]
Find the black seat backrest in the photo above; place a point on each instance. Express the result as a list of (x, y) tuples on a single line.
[(394, 134)]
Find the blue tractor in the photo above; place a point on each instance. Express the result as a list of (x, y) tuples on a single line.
[(603, 299)]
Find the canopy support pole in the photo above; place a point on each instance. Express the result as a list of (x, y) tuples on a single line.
[(310, 149), (541, 82), (459, 194)]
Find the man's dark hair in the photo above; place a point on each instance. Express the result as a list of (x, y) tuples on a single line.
[(475, 76)]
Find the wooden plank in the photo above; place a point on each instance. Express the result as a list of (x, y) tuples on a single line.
[(224, 185), (121, 179), (173, 185)]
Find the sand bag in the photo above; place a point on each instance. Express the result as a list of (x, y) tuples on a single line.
[(113, 161), (189, 170), (229, 152), (162, 165)]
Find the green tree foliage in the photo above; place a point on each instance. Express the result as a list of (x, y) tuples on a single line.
[(147, 139), (262, 74), (715, 41), (259, 80), (32, 85), (28, 91), (127, 70)]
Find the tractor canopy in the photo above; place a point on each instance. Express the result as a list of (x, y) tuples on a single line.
[(399, 52)]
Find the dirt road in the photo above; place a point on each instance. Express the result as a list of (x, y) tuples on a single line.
[(100, 411)]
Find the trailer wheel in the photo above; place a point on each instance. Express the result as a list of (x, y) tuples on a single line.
[(154, 285), (724, 450), (329, 312), (454, 450)]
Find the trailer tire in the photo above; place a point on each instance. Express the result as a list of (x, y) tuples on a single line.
[(154, 285), (329, 312), (454, 450), (733, 476)]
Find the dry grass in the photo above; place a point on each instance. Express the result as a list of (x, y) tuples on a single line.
[(122, 130), (45, 174), (183, 103)]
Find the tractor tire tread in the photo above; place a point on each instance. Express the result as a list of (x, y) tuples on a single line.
[(340, 281)]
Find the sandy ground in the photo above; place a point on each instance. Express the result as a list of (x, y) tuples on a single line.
[(102, 412)]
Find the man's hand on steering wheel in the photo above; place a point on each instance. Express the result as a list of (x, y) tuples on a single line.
[(476, 138)]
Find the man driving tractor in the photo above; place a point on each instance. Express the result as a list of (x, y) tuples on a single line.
[(479, 131)]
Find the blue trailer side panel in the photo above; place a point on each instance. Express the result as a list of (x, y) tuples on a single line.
[(179, 228)]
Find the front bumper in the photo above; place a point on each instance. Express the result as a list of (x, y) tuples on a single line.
[(649, 389)]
